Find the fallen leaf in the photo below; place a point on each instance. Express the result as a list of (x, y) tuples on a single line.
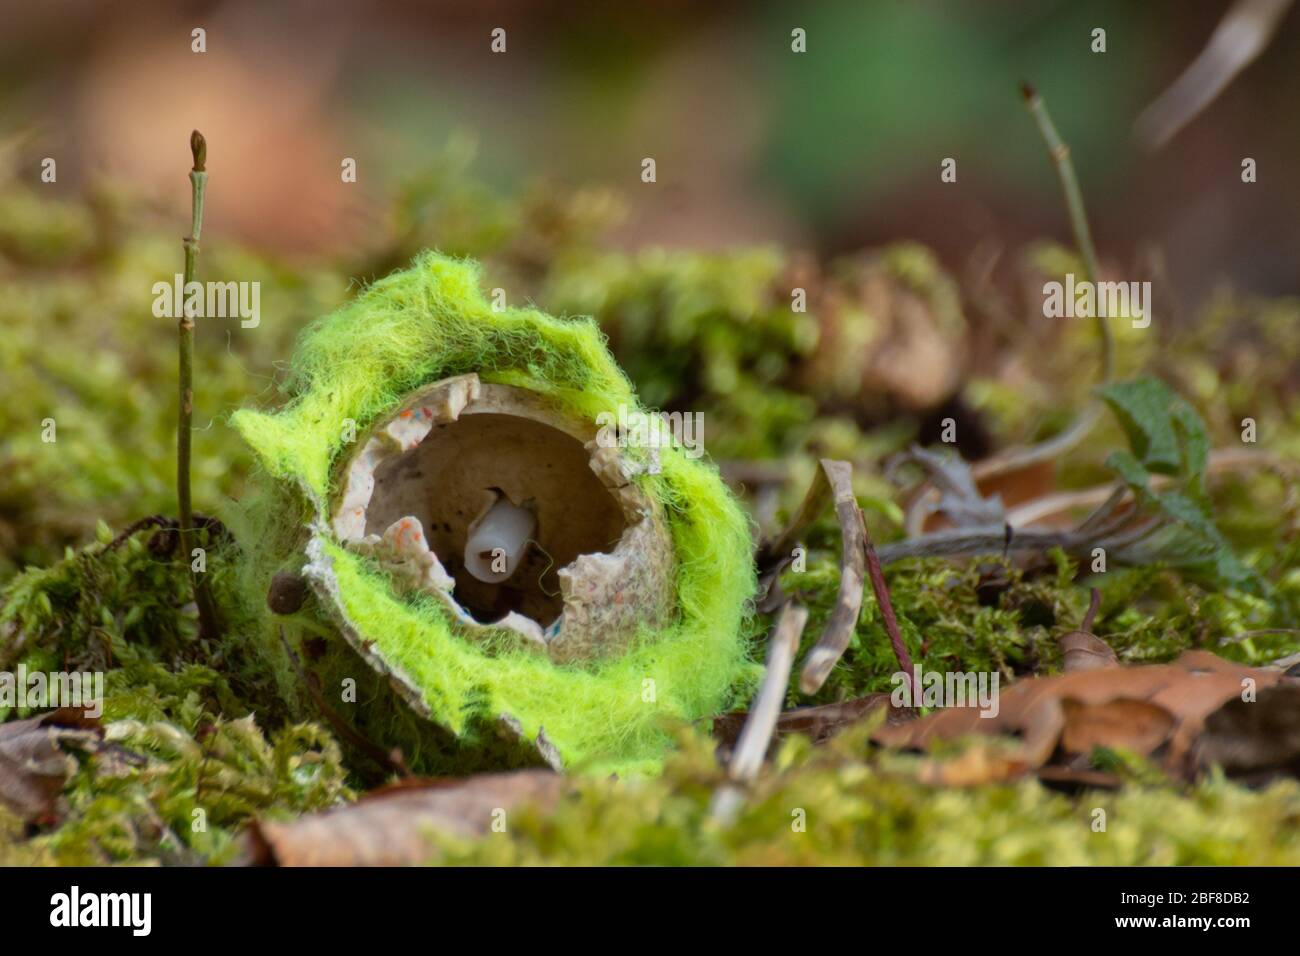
[(1259, 738), (1073, 779), (1018, 485), (1157, 709), (33, 765), (1136, 725), (395, 826), (978, 764), (960, 501)]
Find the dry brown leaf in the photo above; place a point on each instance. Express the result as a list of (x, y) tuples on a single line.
[(33, 764), (395, 826), (1136, 725), (1099, 707), (1259, 738), (1019, 485), (978, 764)]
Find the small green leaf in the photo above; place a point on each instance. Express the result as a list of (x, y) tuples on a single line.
[(1131, 472), (1192, 540), (1194, 446), (1143, 408), (1217, 553)]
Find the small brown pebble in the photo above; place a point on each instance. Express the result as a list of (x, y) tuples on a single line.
[(287, 593)]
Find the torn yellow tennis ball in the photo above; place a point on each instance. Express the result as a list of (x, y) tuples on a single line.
[(477, 540)]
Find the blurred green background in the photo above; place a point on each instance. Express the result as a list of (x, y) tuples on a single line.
[(833, 149)]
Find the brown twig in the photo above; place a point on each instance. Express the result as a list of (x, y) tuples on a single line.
[(887, 610), (1094, 605), (208, 622), (752, 745), (833, 482), (965, 543), (164, 523), (848, 603), (1221, 461), (1244, 33), (1114, 523)]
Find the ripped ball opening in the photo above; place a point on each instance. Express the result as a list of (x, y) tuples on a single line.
[(454, 481)]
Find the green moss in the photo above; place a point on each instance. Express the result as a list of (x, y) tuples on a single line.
[(40, 231), (126, 611), (110, 386), (989, 615), (708, 332), (700, 330), (200, 779), (838, 806), (178, 714)]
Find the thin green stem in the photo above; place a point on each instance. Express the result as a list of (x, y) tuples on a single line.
[(184, 431), (1060, 155), (1015, 459), (185, 422)]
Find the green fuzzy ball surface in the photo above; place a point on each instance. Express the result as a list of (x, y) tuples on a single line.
[(415, 327)]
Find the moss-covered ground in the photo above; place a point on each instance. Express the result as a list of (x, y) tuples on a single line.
[(215, 743)]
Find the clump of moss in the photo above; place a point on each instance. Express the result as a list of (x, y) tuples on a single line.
[(201, 779), (41, 232), (124, 607), (991, 615), (777, 354), (839, 805), (701, 331), (177, 713)]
